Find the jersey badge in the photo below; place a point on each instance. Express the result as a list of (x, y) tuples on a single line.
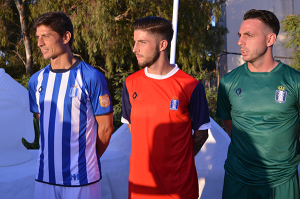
[(280, 95), (238, 91), (174, 104), (134, 95), (40, 89), (104, 100), (73, 91)]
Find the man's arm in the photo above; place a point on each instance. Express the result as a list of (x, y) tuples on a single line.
[(105, 129), (227, 124), (199, 138), (129, 126), (37, 116)]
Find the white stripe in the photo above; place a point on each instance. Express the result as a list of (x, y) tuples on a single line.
[(59, 126), (40, 79), (37, 97), (47, 108), (75, 118), (91, 155)]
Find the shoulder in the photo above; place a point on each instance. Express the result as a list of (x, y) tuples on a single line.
[(235, 72), (290, 69), (232, 76), (136, 75), (34, 78), (89, 73)]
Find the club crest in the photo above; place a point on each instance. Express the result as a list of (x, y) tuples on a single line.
[(174, 104), (73, 91), (280, 95)]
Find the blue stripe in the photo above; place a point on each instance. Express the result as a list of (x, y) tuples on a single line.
[(42, 138), (82, 143), (51, 130), (66, 132)]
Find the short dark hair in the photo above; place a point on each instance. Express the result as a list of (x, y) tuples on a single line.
[(266, 17), (57, 21), (155, 25)]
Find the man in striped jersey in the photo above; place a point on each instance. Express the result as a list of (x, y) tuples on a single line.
[(73, 104)]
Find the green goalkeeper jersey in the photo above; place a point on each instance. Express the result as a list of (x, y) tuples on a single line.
[(264, 109)]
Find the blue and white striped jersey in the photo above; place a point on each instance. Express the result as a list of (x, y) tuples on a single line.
[(67, 101)]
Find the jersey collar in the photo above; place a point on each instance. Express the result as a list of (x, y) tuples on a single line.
[(171, 73)]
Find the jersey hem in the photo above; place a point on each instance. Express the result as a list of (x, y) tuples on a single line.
[(68, 185), (104, 113), (267, 186)]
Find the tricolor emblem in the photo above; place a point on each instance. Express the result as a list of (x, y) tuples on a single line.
[(280, 95)]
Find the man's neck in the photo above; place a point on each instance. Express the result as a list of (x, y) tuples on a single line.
[(263, 66), (161, 67), (63, 61)]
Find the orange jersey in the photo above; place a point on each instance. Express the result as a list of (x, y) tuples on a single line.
[(159, 111)]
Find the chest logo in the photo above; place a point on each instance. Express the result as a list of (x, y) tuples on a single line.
[(280, 95), (104, 100), (134, 95), (73, 91), (174, 104), (40, 89), (238, 91)]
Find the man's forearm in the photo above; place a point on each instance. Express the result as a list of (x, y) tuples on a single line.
[(199, 138)]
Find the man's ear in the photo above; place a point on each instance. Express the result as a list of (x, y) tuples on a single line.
[(163, 44), (271, 39), (67, 37)]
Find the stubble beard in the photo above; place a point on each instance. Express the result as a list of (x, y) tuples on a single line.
[(258, 54), (151, 60)]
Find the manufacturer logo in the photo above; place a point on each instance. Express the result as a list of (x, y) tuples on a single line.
[(73, 91), (74, 176), (238, 91), (40, 89), (280, 95), (134, 95), (104, 100), (174, 104)]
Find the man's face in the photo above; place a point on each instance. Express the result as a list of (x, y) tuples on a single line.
[(145, 48), (50, 42), (253, 40)]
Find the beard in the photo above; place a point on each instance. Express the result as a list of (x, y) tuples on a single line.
[(256, 55), (150, 59)]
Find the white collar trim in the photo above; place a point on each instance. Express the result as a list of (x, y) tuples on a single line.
[(171, 73)]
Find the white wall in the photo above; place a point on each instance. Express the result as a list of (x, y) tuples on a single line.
[(233, 14)]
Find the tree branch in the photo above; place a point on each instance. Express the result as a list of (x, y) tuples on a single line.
[(122, 16)]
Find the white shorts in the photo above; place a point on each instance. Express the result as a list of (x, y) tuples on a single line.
[(48, 191)]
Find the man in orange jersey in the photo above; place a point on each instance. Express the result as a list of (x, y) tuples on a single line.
[(161, 105)]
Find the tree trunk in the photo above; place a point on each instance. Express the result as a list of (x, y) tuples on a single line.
[(21, 6)]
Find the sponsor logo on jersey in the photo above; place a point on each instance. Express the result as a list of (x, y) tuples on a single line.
[(40, 89), (73, 91), (174, 104), (280, 95), (104, 100), (238, 91), (75, 176), (134, 95)]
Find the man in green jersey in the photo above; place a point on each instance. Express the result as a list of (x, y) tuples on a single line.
[(259, 104)]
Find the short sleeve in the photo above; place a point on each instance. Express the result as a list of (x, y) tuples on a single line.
[(126, 105), (223, 103), (99, 94), (32, 95), (199, 109)]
